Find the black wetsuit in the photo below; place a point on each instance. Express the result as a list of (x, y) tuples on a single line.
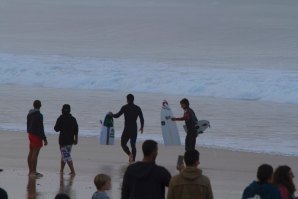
[(131, 113)]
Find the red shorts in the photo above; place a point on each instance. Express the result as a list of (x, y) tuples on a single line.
[(35, 141)]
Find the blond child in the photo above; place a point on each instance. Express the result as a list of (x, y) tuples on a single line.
[(102, 183)]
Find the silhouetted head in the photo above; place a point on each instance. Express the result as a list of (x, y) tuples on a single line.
[(37, 104), (130, 98), (191, 157), (62, 196), (264, 173), (150, 149), (184, 103), (65, 109)]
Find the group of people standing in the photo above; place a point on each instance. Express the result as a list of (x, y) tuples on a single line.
[(143, 179), (66, 124), (272, 184)]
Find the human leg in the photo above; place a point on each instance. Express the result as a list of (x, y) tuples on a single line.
[(133, 140), (190, 141), (71, 167), (34, 159), (29, 161), (124, 140), (66, 159)]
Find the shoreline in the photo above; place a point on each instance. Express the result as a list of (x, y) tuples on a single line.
[(235, 125)]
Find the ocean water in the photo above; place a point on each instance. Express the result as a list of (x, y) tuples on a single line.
[(273, 92), (240, 83)]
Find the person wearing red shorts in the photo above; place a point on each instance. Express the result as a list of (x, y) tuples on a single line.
[(36, 137)]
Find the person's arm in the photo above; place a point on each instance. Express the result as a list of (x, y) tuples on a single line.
[(170, 191), (125, 187), (183, 118), (118, 114), (42, 133), (76, 130), (209, 191), (141, 120), (57, 126)]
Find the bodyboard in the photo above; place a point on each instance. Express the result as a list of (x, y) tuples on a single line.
[(107, 132), (169, 128), (201, 126)]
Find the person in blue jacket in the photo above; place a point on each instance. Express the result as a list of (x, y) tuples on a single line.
[(263, 188)]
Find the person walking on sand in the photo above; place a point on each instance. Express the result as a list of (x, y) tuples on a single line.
[(68, 127), (131, 113), (190, 121), (263, 187), (144, 179), (36, 135), (190, 183)]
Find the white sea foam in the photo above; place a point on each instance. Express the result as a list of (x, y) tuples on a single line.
[(243, 83)]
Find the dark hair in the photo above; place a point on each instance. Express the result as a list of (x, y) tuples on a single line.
[(191, 157), (3, 194), (281, 177), (264, 172), (148, 147), (66, 109), (62, 196), (184, 101), (37, 104), (130, 98)]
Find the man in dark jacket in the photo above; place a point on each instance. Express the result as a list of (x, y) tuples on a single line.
[(36, 137), (68, 127), (190, 119), (263, 188), (131, 113), (145, 179)]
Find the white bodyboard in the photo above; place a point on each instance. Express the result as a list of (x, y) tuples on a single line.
[(169, 128), (107, 134), (201, 126)]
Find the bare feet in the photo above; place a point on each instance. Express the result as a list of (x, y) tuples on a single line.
[(130, 159), (35, 174), (72, 173)]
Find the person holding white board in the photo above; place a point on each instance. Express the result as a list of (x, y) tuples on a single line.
[(190, 119), (131, 113)]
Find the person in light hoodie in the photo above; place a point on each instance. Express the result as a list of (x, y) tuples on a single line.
[(190, 183)]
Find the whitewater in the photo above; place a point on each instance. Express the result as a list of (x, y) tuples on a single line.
[(242, 83)]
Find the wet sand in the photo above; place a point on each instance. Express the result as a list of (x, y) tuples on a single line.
[(229, 171)]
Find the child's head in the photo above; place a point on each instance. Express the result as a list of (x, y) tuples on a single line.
[(102, 182)]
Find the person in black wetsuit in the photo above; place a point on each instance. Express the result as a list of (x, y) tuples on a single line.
[(131, 113)]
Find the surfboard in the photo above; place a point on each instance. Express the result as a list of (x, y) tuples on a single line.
[(201, 126), (169, 128), (107, 132)]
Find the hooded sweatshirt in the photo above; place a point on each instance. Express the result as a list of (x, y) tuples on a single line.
[(35, 123), (143, 180), (68, 127), (190, 184), (263, 190)]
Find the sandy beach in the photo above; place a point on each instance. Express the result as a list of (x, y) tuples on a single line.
[(217, 34), (229, 171)]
